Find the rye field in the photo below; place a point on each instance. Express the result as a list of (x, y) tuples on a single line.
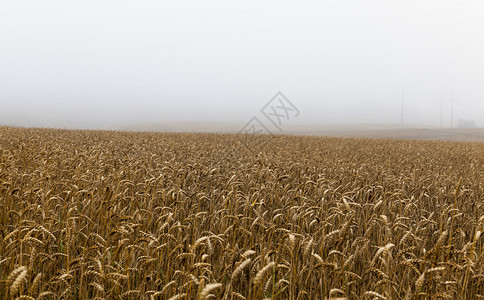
[(118, 215)]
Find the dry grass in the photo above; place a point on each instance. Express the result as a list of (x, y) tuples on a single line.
[(111, 215)]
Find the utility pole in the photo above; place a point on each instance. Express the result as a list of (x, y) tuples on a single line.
[(441, 107), (403, 98), (452, 112)]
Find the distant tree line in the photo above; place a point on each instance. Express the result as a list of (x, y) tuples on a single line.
[(463, 123)]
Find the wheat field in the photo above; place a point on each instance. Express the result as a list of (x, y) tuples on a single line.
[(118, 215)]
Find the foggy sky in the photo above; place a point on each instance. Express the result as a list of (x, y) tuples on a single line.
[(104, 64)]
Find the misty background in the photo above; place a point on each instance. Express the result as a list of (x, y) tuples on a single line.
[(122, 64)]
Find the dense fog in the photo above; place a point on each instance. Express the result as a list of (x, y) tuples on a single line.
[(126, 64)]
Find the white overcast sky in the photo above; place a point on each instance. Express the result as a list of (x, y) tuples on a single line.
[(102, 64)]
